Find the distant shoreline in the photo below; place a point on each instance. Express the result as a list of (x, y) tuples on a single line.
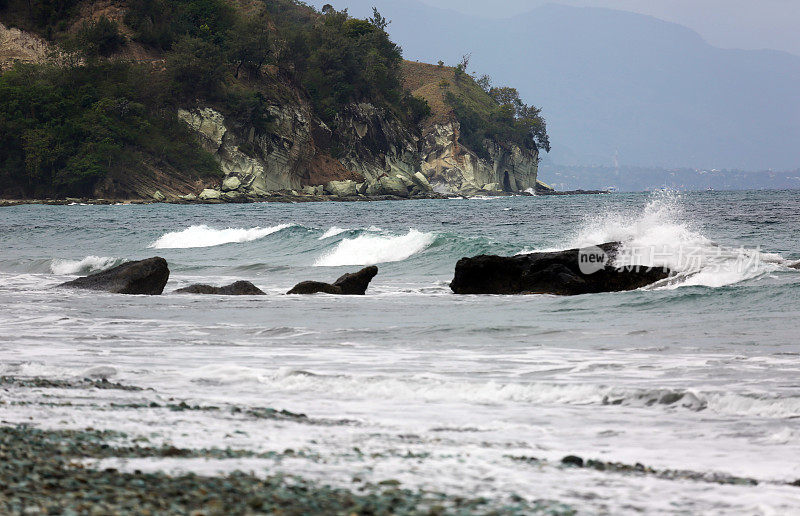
[(278, 197)]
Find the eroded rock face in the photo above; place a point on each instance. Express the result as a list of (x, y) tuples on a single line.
[(257, 163), (354, 284), (451, 168), (381, 153), (347, 188), (377, 143), (146, 277), (559, 273), (240, 288), (209, 194)]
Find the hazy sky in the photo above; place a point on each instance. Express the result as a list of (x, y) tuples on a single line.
[(747, 24)]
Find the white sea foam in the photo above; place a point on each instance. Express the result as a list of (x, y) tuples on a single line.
[(84, 266), (332, 232), (372, 249), (663, 234), (204, 236), (427, 389)]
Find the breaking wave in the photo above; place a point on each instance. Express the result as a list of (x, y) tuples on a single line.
[(663, 234), (367, 249), (332, 232), (204, 236), (85, 266)]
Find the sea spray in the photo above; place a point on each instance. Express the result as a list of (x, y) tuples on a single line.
[(204, 236), (664, 234)]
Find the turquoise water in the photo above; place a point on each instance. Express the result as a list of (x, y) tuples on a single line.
[(699, 373)]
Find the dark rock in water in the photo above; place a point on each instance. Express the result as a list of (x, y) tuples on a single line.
[(354, 284), (795, 266), (240, 288), (566, 273), (572, 460), (146, 277), (314, 287)]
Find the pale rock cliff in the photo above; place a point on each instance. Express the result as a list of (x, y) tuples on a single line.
[(374, 143), (17, 45), (260, 162), (451, 167), (374, 150)]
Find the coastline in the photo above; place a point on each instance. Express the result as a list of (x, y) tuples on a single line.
[(281, 197), (109, 469), (106, 471)]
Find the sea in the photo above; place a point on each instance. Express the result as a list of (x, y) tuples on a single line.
[(689, 389)]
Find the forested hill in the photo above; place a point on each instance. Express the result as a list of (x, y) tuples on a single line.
[(124, 97)]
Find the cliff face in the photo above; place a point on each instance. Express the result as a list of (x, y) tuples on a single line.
[(451, 167), (371, 144), (297, 151), (365, 144), (374, 150)]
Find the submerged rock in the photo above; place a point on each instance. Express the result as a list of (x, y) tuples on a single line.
[(566, 273), (354, 284), (240, 288), (147, 277)]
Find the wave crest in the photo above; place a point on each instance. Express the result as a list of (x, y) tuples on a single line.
[(204, 236), (662, 234), (371, 249), (85, 266)]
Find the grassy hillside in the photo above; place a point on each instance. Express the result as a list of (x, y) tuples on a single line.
[(484, 112), (432, 82)]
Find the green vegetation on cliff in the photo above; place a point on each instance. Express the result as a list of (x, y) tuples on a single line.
[(108, 102), (483, 112), (64, 129)]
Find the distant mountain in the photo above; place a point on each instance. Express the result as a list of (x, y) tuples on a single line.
[(612, 82)]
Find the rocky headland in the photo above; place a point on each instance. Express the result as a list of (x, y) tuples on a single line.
[(267, 126)]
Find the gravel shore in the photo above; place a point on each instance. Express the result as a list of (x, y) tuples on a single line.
[(41, 472)]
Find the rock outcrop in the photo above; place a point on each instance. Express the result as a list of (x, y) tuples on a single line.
[(452, 168), (382, 159), (348, 188), (354, 284), (240, 288), (144, 277), (20, 46), (566, 273)]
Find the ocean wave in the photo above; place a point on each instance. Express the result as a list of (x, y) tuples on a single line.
[(664, 234), (204, 236), (368, 249), (427, 389), (84, 266), (332, 232)]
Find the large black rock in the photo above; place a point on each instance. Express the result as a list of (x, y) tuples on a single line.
[(558, 273), (146, 277), (354, 284), (240, 288)]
